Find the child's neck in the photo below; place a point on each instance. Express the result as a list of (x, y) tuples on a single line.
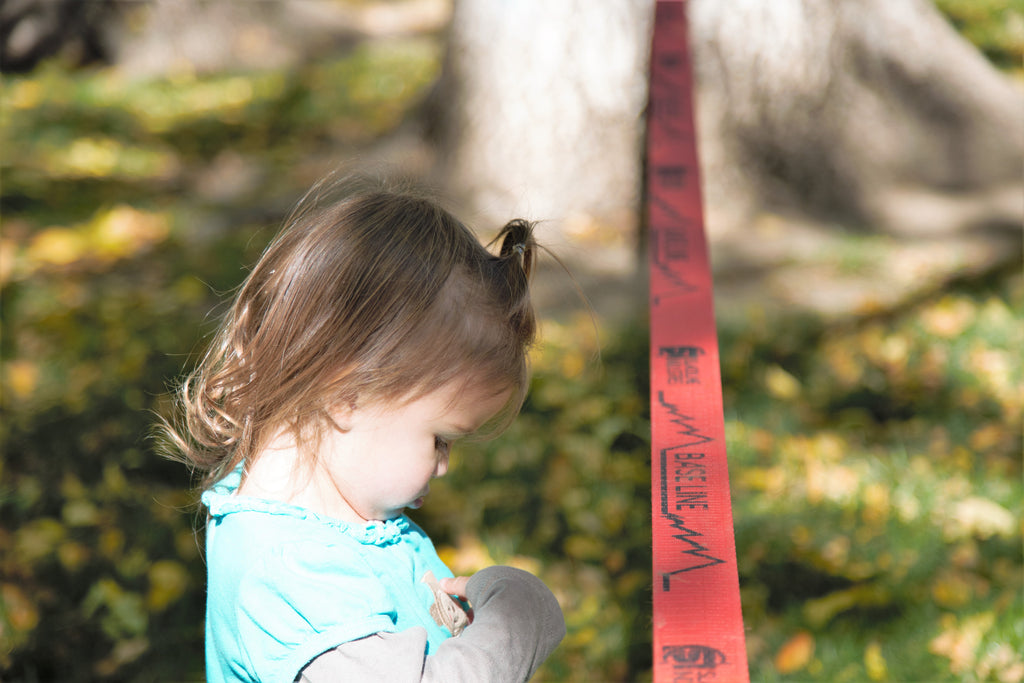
[(280, 473)]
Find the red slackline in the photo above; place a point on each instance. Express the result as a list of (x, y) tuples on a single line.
[(698, 625)]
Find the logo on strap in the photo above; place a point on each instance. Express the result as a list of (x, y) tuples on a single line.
[(692, 662)]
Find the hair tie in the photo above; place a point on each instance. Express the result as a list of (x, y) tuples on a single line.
[(519, 248)]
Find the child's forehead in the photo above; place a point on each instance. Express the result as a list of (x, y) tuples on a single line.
[(470, 411), (464, 405), (461, 396)]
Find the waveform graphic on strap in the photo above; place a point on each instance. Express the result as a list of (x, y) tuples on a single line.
[(684, 463), (698, 625), (670, 248)]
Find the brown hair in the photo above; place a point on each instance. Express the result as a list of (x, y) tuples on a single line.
[(367, 298)]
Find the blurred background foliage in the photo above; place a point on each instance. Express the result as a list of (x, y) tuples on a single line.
[(995, 26), (876, 462)]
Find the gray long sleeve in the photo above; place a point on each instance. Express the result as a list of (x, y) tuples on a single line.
[(517, 623)]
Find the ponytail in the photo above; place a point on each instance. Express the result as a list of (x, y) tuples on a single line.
[(517, 242), (516, 258)]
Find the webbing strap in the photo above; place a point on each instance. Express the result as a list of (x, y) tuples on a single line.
[(698, 626)]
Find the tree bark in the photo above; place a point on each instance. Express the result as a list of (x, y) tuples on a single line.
[(539, 110), (872, 112), (862, 109)]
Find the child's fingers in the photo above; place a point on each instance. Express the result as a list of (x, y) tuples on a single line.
[(455, 586)]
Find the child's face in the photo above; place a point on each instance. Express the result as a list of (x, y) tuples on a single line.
[(385, 460)]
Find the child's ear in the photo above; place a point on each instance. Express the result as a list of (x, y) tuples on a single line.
[(340, 416)]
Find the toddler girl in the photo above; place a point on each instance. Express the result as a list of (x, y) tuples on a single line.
[(373, 333)]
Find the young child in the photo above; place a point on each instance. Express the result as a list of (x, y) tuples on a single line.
[(373, 333)]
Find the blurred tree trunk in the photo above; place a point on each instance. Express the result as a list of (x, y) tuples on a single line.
[(874, 112), (539, 111)]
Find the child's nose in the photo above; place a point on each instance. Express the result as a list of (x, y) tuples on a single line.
[(442, 465)]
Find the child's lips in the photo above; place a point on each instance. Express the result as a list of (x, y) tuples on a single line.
[(418, 503)]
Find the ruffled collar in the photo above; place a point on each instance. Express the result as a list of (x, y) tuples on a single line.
[(221, 500)]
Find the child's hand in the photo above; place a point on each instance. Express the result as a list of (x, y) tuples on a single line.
[(455, 586)]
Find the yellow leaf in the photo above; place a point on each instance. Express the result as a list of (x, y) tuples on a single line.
[(18, 608), (111, 543), (949, 317), (80, 512), (762, 440), (72, 555), (989, 436), (781, 384), (584, 546), (168, 581), (801, 535), (26, 95), (836, 483), (37, 539), (980, 517), (771, 479), (56, 246), (836, 552), (820, 610), (91, 157), (124, 231), (22, 377), (114, 480), (8, 256), (959, 641), (795, 654), (951, 590), (876, 503), (874, 662), (573, 364), (847, 366), (895, 349), (72, 487), (908, 507)]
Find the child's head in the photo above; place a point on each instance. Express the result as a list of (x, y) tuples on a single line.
[(362, 300)]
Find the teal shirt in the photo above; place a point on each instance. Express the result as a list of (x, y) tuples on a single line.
[(286, 584)]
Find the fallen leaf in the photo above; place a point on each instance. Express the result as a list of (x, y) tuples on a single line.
[(795, 654), (874, 662)]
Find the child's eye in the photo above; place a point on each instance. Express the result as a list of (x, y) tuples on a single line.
[(442, 445)]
